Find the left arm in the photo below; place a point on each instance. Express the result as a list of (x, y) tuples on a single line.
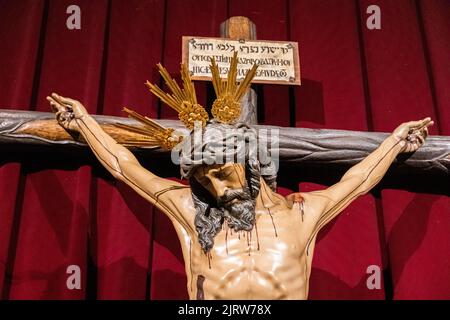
[(327, 204)]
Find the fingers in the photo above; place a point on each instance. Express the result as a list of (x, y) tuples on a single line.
[(416, 145), (55, 105), (427, 122), (59, 115), (421, 139), (419, 124), (60, 103), (421, 133), (416, 137), (52, 104), (57, 98), (414, 124), (62, 100), (412, 146), (425, 131)]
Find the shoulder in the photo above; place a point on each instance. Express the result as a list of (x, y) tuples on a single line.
[(175, 200), (313, 203), (174, 193), (295, 197)]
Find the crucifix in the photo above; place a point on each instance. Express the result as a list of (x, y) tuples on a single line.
[(240, 238)]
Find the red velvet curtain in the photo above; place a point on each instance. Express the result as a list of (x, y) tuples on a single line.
[(61, 214)]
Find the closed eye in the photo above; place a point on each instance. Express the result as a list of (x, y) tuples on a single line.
[(205, 181), (224, 174)]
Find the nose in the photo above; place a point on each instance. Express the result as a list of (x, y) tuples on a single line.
[(219, 188)]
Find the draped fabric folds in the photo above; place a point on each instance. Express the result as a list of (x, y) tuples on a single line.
[(55, 213)]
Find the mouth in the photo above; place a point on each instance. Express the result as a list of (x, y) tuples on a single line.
[(229, 201)]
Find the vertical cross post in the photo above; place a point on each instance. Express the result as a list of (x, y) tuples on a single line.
[(242, 28)]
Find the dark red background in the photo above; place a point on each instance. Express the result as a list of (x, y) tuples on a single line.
[(54, 214)]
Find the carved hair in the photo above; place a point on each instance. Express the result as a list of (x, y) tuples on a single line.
[(210, 213)]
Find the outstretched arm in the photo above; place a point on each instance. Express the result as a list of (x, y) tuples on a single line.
[(120, 162), (326, 204)]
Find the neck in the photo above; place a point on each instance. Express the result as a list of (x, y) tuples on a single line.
[(268, 198)]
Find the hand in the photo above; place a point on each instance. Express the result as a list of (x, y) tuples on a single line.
[(412, 134), (66, 110)]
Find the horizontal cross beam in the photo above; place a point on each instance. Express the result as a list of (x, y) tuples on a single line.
[(318, 155)]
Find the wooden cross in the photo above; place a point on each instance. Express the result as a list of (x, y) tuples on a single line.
[(318, 155), (243, 28)]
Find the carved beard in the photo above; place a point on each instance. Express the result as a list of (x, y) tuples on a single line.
[(238, 208)]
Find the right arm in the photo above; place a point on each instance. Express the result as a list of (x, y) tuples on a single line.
[(169, 196)]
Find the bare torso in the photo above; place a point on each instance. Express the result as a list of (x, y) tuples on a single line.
[(269, 262)]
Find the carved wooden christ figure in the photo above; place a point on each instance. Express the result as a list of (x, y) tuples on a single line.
[(240, 238)]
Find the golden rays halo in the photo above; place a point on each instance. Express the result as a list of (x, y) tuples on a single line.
[(184, 101), (150, 133), (227, 106), (225, 109)]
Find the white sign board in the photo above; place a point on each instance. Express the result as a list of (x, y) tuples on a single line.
[(278, 61)]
